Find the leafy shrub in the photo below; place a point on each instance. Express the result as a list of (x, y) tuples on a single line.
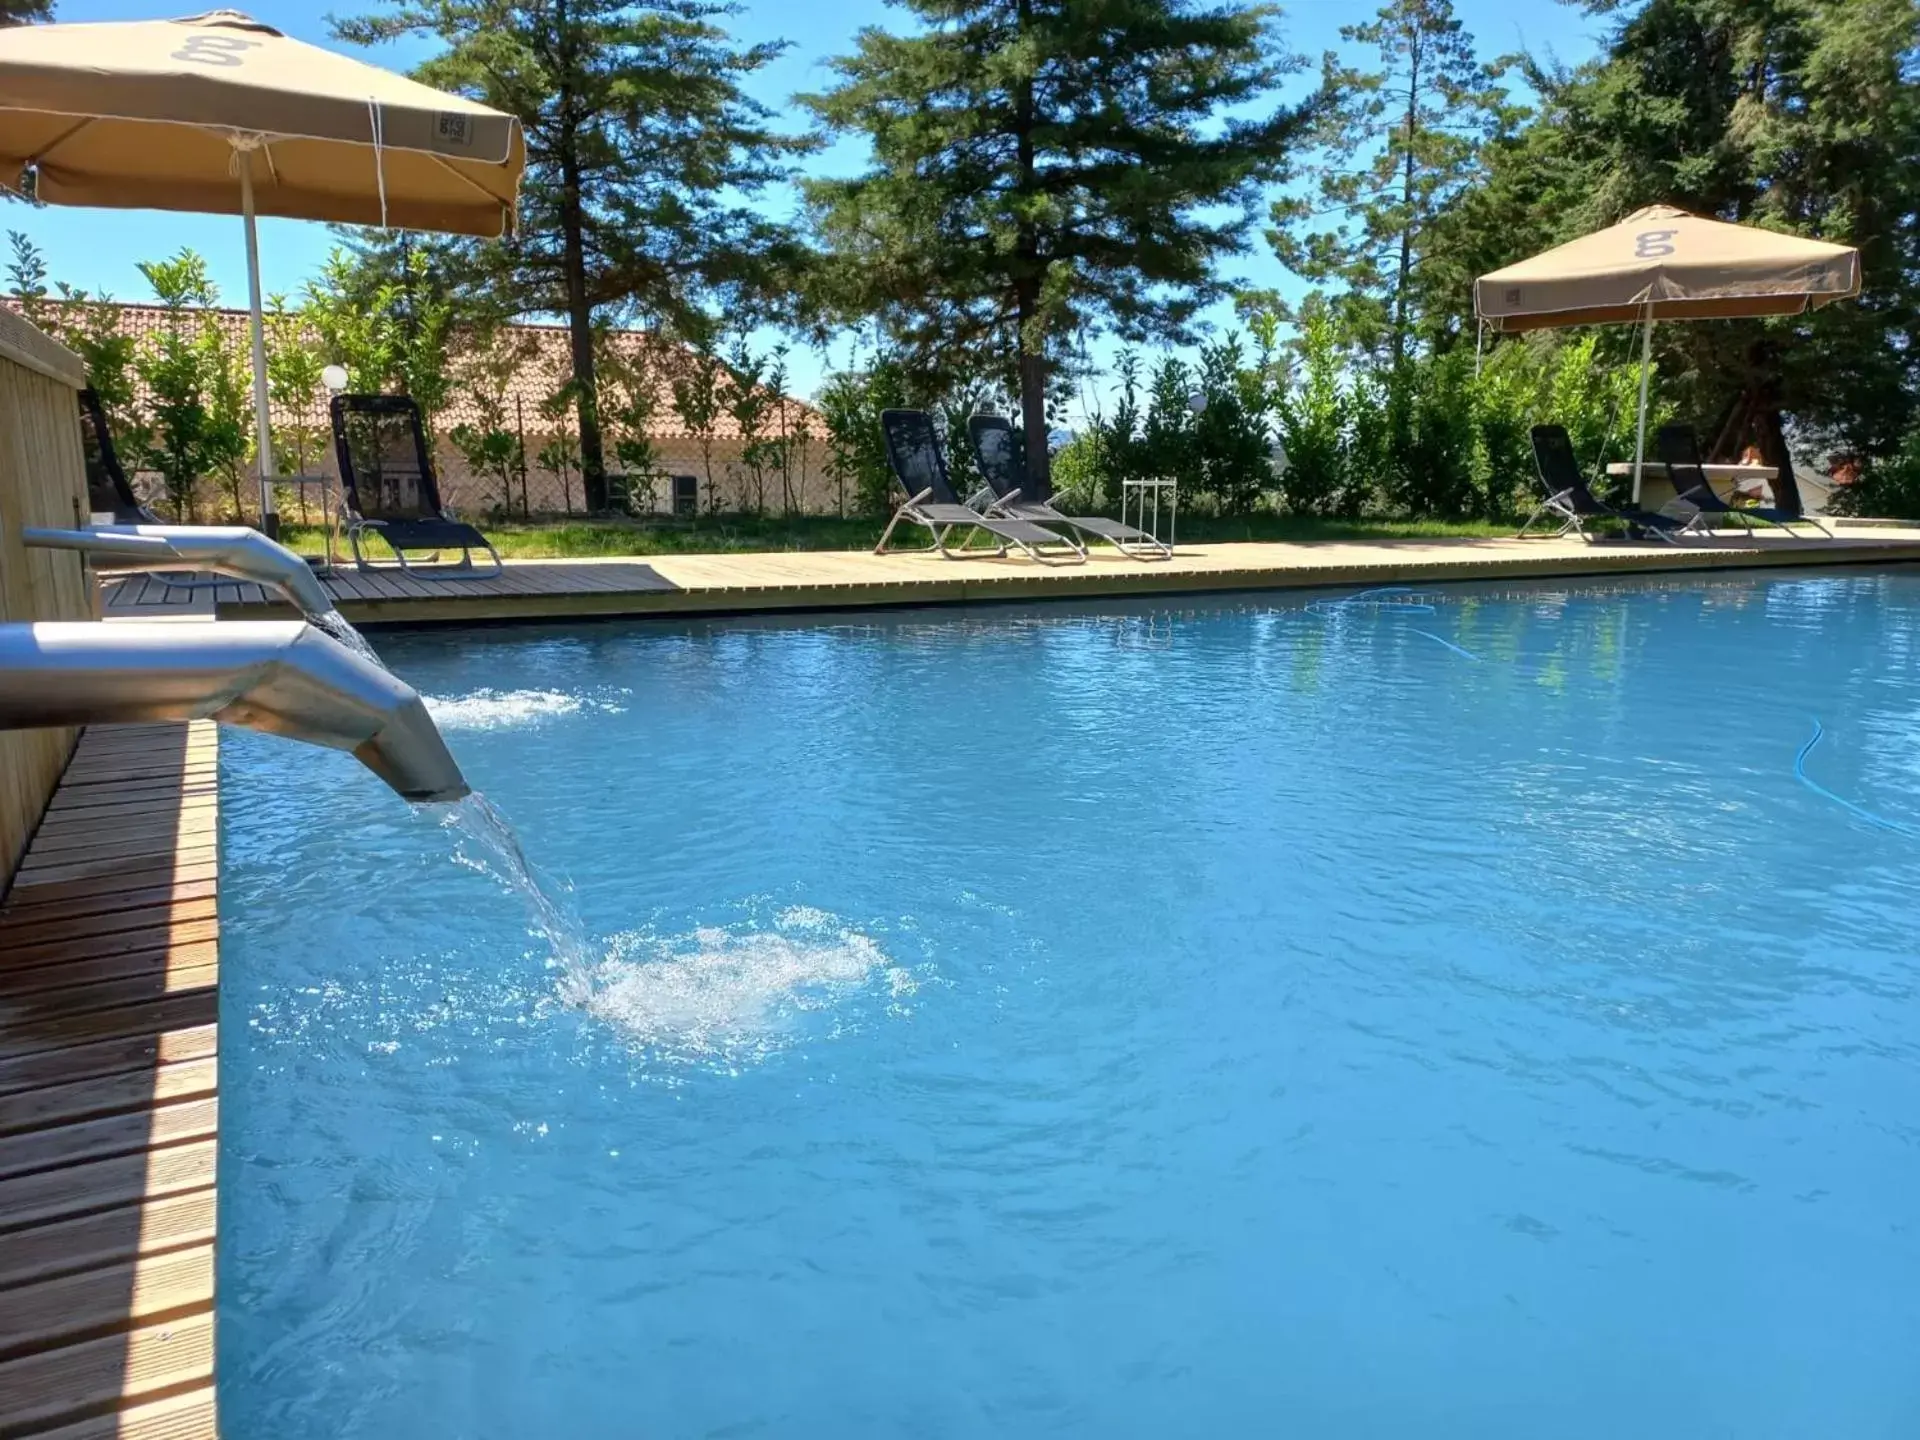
[(1886, 489)]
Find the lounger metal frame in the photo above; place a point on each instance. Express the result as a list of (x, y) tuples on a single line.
[(1679, 450), (432, 513), (1006, 484), (1573, 502), (936, 507)]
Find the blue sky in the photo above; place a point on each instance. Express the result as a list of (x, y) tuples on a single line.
[(98, 249)]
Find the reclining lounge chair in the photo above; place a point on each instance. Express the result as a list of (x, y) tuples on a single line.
[(108, 490), (1679, 451), (997, 450), (913, 452), (1572, 503), (386, 479)]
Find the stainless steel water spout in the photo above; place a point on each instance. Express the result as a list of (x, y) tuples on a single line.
[(218, 549), (279, 676)]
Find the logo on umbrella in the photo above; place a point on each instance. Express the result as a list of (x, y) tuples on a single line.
[(221, 50)]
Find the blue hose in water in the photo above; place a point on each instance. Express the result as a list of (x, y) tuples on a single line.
[(1800, 774), (1368, 600), (1448, 643)]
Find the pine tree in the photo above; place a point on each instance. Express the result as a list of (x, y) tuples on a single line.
[(1395, 144), (1800, 115), (1044, 165), (643, 155), (22, 12)]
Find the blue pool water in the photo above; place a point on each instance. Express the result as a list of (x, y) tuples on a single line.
[(1226, 1020)]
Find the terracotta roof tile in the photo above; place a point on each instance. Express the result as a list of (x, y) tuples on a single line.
[(542, 370)]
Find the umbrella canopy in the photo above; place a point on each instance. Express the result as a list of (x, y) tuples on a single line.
[(150, 114), (1664, 264)]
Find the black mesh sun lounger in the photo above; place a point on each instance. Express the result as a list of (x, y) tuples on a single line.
[(108, 490), (1570, 501), (1679, 450), (386, 475), (1003, 464), (913, 452)]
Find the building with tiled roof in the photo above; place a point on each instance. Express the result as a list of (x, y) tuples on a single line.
[(531, 364)]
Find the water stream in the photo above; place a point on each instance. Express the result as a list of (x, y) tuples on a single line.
[(476, 818), (336, 625)]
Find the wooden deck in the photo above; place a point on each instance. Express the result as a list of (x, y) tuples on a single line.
[(807, 580), (108, 1118)]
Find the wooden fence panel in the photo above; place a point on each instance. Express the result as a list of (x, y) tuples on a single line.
[(42, 482)]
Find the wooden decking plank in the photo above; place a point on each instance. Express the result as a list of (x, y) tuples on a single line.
[(103, 1184), (121, 1054), (138, 1090), (33, 925), (46, 1041), (107, 799), (344, 584), (192, 827), (186, 829), (169, 960), (158, 934), (146, 732), (101, 739), (190, 1416), (83, 1140), (77, 907), (41, 1019), (374, 584), (107, 766), (127, 806), (107, 828), (105, 861), (116, 1297), (155, 872), (109, 1109), (66, 1247), (130, 772), (78, 1381)]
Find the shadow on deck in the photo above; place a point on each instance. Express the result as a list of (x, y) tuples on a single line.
[(108, 1096)]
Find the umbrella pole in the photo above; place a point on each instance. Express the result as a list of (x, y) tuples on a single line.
[(262, 415), (1646, 370)]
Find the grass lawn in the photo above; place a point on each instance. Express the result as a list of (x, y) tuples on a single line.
[(562, 539)]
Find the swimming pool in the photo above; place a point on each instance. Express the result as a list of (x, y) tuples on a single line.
[(1237, 1020)]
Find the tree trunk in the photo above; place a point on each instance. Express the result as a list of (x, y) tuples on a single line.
[(1033, 407), (1031, 276), (1406, 202), (593, 465)]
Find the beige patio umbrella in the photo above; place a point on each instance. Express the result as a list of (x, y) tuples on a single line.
[(1664, 264), (222, 114)]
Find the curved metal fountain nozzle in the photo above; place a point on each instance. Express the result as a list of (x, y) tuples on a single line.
[(278, 676), (219, 549)]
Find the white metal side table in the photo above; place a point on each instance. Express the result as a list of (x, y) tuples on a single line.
[(1140, 506)]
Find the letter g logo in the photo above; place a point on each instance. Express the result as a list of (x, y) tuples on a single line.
[(221, 50), (1652, 244)]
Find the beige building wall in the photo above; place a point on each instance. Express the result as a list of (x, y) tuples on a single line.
[(733, 488)]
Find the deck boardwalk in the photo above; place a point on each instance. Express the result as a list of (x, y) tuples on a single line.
[(809, 580), (109, 1096)]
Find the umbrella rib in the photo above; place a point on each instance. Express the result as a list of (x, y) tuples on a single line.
[(466, 180), (63, 137)]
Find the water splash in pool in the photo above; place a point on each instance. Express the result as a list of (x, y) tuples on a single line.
[(336, 625), (730, 995), (476, 818), (487, 709)]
